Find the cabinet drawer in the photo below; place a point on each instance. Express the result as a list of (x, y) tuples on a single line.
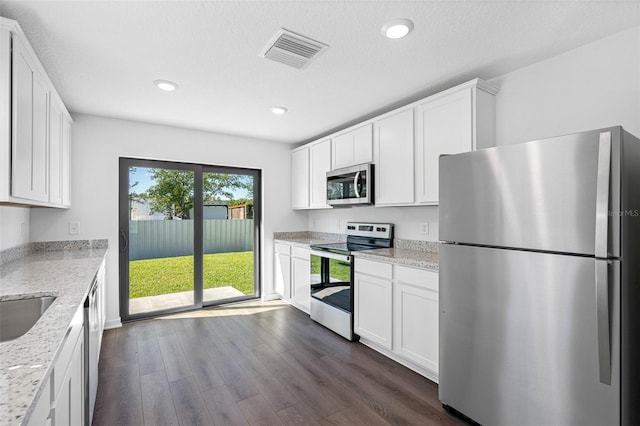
[(369, 267), (283, 248), (300, 252), (417, 277)]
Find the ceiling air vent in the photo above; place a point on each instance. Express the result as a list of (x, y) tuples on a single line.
[(292, 49)]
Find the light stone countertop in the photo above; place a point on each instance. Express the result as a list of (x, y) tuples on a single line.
[(307, 238), (402, 256), (25, 362), (418, 254)]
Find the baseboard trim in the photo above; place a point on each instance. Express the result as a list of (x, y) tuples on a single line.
[(114, 323)]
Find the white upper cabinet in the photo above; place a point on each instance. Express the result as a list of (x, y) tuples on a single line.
[(405, 146), (29, 139), (353, 147), (394, 159), (34, 156), (310, 165), (320, 164), (300, 178), (458, 120)]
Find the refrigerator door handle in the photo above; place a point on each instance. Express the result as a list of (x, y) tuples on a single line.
[(602, 196), (602, 309)]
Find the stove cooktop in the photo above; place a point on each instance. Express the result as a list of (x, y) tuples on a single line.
[(343, 248)]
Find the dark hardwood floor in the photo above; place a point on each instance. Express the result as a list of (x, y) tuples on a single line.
[(253, 363)]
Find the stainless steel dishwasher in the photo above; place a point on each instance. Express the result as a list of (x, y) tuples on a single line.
[(92, 331)]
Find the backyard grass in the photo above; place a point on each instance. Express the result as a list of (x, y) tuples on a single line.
[(152, 277)]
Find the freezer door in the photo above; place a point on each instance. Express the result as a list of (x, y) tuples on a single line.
[(529, 338), (551, 195)]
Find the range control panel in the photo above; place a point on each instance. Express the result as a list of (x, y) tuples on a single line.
[(373, 230)]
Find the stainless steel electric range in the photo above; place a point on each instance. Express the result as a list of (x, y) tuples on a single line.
[(332, 275)]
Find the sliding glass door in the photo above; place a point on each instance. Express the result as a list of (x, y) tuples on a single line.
[(188, 236)]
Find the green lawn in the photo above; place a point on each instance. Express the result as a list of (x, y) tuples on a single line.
[(151, 277)]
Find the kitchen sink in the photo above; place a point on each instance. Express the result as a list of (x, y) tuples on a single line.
[(18, 316)]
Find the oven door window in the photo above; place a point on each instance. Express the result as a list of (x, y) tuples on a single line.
[(331, 281)]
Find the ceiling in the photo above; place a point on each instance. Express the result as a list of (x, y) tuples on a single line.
[(103, 56)]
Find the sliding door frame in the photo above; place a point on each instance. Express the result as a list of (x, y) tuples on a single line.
[(198, 245)]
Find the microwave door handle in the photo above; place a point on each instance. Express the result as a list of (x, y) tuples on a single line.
[(356, 181)]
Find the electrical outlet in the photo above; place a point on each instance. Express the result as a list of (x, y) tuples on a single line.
[(74, 228), (424, 228)]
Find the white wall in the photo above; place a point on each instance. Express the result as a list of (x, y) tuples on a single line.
[(590, 87), (407, 220), (98, 143), (14, 226)]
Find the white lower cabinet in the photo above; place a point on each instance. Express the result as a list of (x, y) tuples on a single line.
[(396, 313), (415, 319), (282, 268), (40, 414), (292, 274), (62, 400), (301, 278), (67, 407), (372, 302)]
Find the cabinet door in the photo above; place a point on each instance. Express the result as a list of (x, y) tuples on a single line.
[(301, 285), (444, 126), (69, 403), (55, 154), (29, 144), (66, 162), (282, 284), (394, 159), (415, 323), (373, 309), (76, 382), (300, 178), (353, 147), (42, 409), (320, 164)]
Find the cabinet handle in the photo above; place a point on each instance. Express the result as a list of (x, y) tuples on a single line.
[(125, 241), (602, 312)]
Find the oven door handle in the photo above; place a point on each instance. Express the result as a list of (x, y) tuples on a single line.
[(343, 257)]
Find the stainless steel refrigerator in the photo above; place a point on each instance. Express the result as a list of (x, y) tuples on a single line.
[(540, 281)]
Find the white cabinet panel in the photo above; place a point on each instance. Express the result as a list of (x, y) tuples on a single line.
[(444, 126), (320, 164), (34, 154), (66, 162), (55, 154), (373, 309), (416, 324), (353, 147), (300, 178), (394, 159), (301, 283), (282, 279)]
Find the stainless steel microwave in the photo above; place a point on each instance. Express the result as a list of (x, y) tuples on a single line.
[(350, 186)]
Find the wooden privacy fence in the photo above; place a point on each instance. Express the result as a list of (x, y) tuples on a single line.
[(169, 238)]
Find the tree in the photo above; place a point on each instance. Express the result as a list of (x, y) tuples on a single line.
[(133, 196), (172, 191)]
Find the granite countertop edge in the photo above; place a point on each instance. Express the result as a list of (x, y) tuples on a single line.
[(414, 253), (64, 269)]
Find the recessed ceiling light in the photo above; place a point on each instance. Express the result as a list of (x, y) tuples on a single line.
[(397, 28), (279, 110), (166, 85)]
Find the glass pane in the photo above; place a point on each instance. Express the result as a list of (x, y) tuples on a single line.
[(160, 239), (228, 236)]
